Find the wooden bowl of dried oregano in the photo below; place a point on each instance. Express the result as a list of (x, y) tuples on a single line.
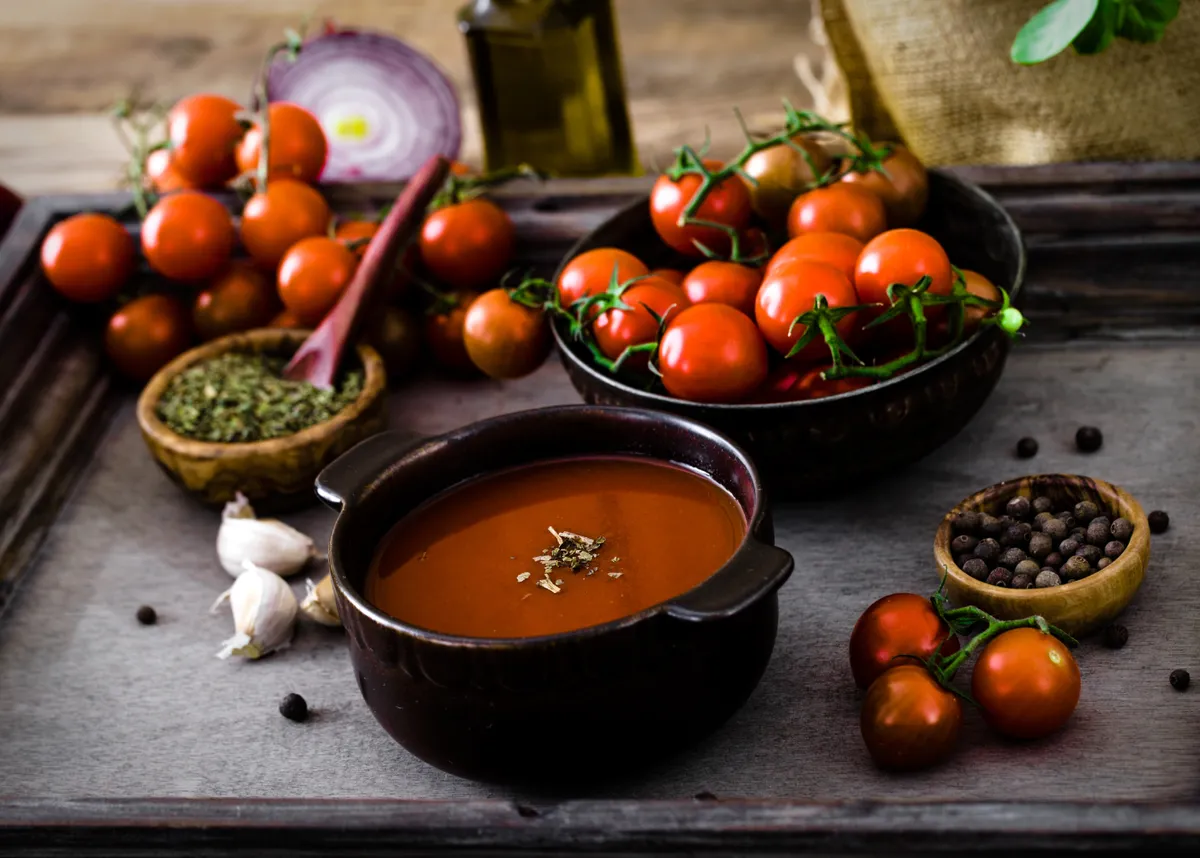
[(220, 419)]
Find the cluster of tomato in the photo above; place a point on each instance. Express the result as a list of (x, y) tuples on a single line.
[(902, 652), (717, 325)]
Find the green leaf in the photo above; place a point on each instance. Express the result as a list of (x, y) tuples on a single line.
[(1099, 32), (1049, 32), (1145, 20)]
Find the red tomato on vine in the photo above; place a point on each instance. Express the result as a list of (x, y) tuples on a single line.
[(312, 276), (1027, 683), (444, 334), (203, 131), (591, 273), (163, 175), (908, 720), (833, 248), (188, 236), (146, 334), (467, 245), (728, 203), (88, 257), (240, 299), (904, 191), (840, 207), (712, 353), (616, 330), (720, 282), (796, 381), (901, 256), (275, 219), (791, 291), (504, 338), (902, 624), (298, 145)]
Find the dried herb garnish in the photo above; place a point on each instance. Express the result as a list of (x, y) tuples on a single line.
[(239, 397), (572, 551)]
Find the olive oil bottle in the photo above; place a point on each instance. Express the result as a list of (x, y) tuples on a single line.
[(549, 84)]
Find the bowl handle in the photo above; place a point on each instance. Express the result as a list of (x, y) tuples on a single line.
[(755, 570), (359, 466)]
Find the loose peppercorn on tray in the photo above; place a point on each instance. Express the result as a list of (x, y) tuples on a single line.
[(117, 736)]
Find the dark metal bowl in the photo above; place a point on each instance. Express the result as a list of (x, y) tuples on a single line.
[(567, 706), (822, 445)]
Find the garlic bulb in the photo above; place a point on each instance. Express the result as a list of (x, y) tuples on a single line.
[(264, 613), (319, 604), (265, 542)]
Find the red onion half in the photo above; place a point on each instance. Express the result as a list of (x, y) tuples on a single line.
[(385, 108)]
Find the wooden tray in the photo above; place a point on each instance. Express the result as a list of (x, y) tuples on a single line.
[(115, 738)]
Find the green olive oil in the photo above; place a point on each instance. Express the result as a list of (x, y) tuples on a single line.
[(549, 86)]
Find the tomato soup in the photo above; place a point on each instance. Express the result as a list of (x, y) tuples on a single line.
[(554, 547)]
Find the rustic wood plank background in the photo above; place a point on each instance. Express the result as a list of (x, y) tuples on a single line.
[(63, 63)]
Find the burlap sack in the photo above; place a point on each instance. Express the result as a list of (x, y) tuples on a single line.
[(937, 75)]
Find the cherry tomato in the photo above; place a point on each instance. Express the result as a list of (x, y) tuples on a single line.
[(908, 721), (396, 334), (712, 353), (163, 175), (467, 245), (897, 625), (1027, 683), (188, 236), (458, 168), (204, 132), (285, 319), (781, 173), (981, 287), (791, 291), (671, 275), (357, 233), (754, 244), (503, 338), (794, 381), (721, 282), (904, 190), (87, 257), (146, 334), (591, 273), (240, 299), (275, 219), (833, 248), (615, 330), (298, 145), (841, 208), (444, 334), (728, 203), (312, 276), (901, 256)]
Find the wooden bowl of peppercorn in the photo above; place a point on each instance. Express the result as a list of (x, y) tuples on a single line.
[(1086, 599), (276, 473)]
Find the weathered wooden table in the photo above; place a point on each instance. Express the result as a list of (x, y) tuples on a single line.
[(119, 738)]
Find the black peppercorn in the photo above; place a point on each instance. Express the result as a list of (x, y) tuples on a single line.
[(1047, 578), (1019, 508), (964, 544), (1066, 518), (989, 526), (1041, 504), (1113, 549), (1090, 553), (1021, 581), (988, 550), (1085, 511), (976, 568), (965, 523), (147, 616), (1159, 521), (1011, 557), (960, 560), (1102, 563), (999, 577), (294, 708), (1040, 546), (1114, 637), (1040, 519), (1055, 529), (1027, 448), (1028, 568), (1075, 568), (1180, 680), (1121, 530), (1088, 439), (1069, 546), (1097, 533), (1013, 537), (1054, 559)]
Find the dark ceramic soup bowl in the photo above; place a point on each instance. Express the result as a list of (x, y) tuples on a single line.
[(813, 447), (567, 706)]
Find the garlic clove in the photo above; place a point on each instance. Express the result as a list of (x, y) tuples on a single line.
[(264, 613), (319, 605), (265, 542)]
